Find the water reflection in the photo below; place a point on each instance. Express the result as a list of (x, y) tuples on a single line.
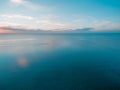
[(31, 43), (22, 62)]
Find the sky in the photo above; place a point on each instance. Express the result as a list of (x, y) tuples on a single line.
[(59, 15)]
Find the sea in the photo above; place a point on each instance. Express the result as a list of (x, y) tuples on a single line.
[(69, 61)]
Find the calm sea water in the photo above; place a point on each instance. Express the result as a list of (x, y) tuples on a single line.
[(60, 62)]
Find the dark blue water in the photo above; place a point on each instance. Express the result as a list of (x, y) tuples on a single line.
[(60, 62)]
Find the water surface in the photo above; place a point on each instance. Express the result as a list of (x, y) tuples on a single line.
[(60, 62)]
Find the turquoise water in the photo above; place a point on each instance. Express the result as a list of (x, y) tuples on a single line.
[(60, 62)]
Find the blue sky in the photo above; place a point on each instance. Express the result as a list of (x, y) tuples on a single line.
[(58, 15)]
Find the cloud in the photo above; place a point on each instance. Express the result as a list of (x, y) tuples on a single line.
[(52, 22), (54, 25), (3, 31), (28, 4), (106, 26), (18, 1), (98, 25), (6, 23), (26, 29), (16, 16), (19, 29)]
